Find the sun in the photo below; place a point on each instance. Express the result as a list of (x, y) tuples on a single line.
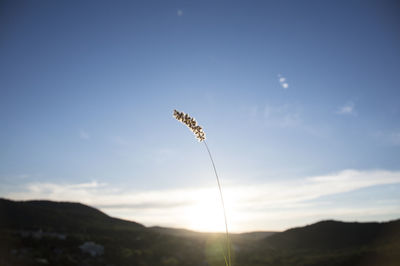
[(205, 214)]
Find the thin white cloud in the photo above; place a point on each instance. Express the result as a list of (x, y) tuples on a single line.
[(346, 109), (394, 138), (275, 205), (120, 141), (282, 115), (83, 134), (67, 192), (179, 12), (282, 81), (251, 111), (390, 138)]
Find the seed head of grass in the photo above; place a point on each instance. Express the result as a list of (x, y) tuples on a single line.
[(191, 123), (197, 130)]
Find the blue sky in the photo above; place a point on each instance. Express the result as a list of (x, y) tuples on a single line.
[(299, 101)]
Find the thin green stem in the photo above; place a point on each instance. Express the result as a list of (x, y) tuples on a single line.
[(228, 245)]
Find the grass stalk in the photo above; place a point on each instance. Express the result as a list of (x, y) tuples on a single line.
[(197, 130), (228, 242)]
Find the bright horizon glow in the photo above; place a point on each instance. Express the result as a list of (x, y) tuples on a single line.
[(275, 206), (205, 215)]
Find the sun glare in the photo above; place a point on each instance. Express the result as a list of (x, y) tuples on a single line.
[(205, 214)]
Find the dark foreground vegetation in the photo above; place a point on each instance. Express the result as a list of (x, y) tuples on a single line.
[(59, 233)]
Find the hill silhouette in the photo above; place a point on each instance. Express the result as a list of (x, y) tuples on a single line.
[(61, 216), (335, 235), (65, 233), (330, 243)]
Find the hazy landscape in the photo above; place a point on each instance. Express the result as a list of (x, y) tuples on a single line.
[(60, 233)]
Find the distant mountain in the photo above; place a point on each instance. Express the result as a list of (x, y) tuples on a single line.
[(176, 231), (329, 243), (63, 233), (258, 235), (248, 236), (61, 216), (336, 235)]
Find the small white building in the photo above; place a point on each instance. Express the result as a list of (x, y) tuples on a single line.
[(92, 248)]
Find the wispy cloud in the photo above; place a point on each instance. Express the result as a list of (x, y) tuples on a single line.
[(391, 138), (283, 82), (275, 205), (68, 192), (346, 109), (83, 134), (250, 111), (285, 116), (179, 12), (394, 138), (120, 141), (282, 115)]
